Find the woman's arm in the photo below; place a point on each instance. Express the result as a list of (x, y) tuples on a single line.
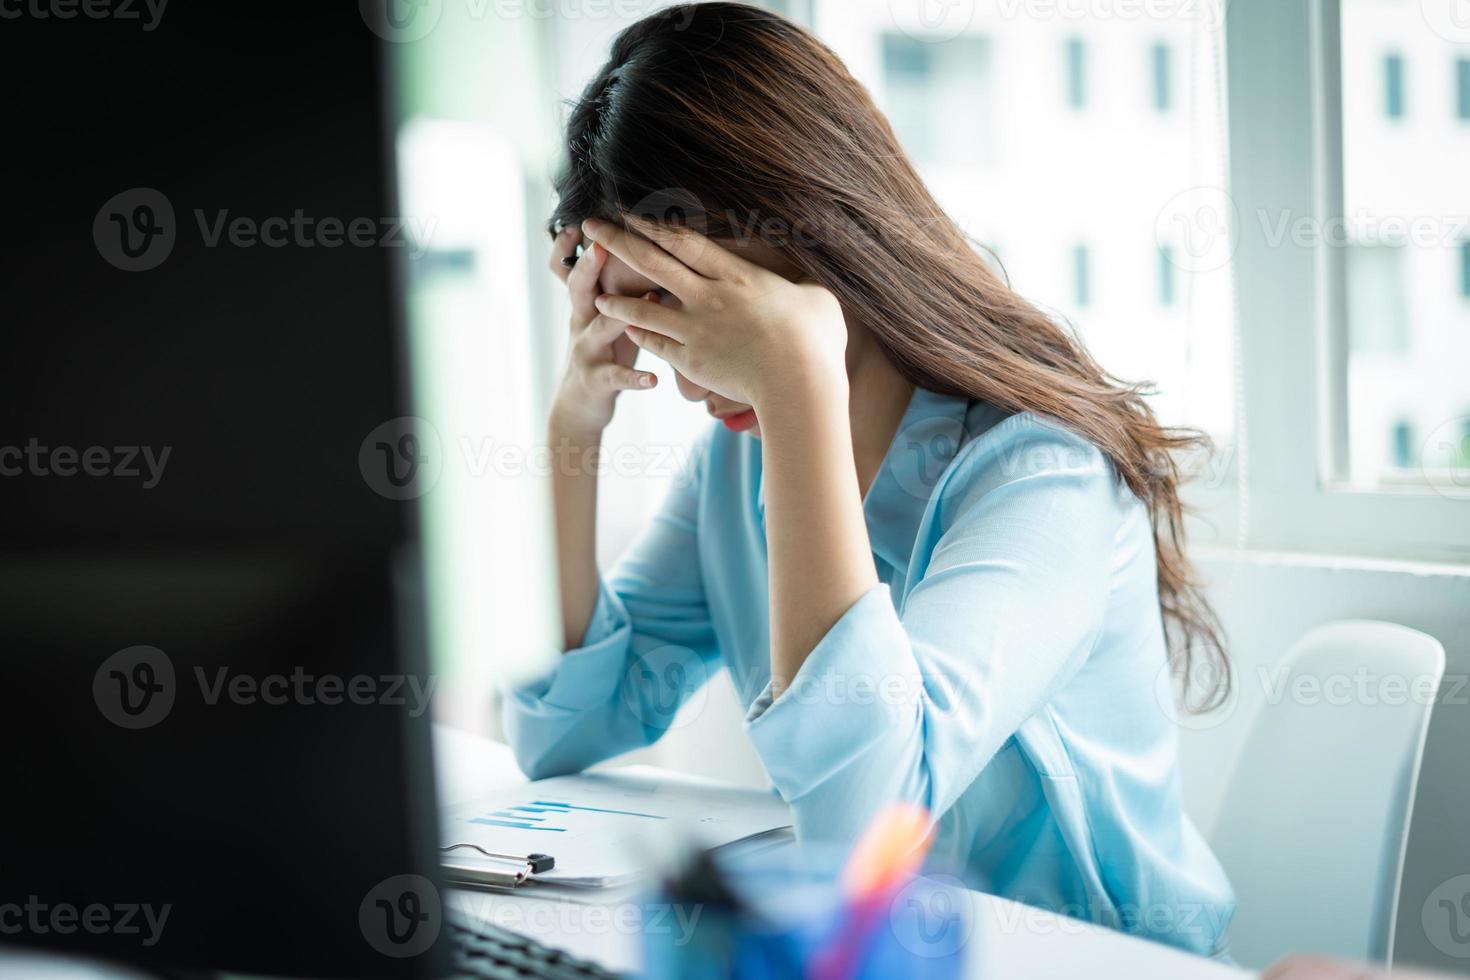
[(821, 561), (599, 365), (779, 346), (1010, 596), (909, 702), (641, 643), (574, 508), (647, 649)]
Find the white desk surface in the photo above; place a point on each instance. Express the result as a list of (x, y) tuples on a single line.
[(1009, 941)]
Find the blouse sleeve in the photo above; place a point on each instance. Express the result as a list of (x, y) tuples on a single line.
[(911, 703), (649, 646)]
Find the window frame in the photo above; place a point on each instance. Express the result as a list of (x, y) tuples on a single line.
[(1284, 90)]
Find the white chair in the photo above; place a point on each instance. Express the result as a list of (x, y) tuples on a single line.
[(1315, 820)]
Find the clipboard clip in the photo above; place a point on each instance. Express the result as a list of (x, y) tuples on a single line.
[(529, 864)]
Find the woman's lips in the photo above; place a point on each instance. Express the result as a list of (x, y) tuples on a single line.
[(739, 422)]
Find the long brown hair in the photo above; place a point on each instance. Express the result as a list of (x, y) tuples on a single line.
[(738, 120)]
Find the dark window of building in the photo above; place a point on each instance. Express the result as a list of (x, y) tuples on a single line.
[(1076, 54), (1162, 95), (1393, 86), (1081, 275)]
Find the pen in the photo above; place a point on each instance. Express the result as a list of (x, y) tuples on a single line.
[(891, 849)]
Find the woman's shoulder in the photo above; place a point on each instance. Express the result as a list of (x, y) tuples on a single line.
[(1032, 466), (1026, 475), (999, 447)]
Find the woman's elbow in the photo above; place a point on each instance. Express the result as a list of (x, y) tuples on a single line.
[(542, 759), (540, 749)]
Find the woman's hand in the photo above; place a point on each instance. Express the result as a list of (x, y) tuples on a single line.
[(741, 331), (600, 355), (754, 336)]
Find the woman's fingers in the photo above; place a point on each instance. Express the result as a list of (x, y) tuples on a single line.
[(616, 377), (604, 331), (581, 275), (644, 313), (659, 346), (612, 329), (644, 257), (582, 283), (704, 255), (624, 351), (601, 331), (562, 246)]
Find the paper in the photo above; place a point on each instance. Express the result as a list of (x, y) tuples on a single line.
[(604, 828)]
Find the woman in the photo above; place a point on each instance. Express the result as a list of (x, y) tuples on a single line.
[(937, 548)]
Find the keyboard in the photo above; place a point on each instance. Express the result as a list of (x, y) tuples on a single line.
[(484, 950)]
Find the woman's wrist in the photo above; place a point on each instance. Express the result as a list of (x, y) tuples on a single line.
[(567, 426), (805, 387)]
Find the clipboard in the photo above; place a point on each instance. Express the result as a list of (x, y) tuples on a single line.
[(516, 870), (603, 825)]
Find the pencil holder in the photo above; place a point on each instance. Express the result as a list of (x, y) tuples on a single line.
[(790, 919)]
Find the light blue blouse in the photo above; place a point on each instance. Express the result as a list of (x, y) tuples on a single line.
[(1005, 674)]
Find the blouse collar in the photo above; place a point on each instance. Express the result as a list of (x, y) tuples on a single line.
[(929, 436)]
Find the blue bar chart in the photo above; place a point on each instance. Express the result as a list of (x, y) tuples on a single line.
[(535, 814)]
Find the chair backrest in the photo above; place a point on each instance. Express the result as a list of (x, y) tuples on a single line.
[(1315, 819)]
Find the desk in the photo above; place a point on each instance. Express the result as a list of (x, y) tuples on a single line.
[(1010, 940)]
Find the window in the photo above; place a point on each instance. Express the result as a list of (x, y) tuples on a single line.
[(908, 71), (1462, 89), (928, 87), (1377, 301), (1160, 65), (1403, 444), (1094, 231), (1393, 86), (1076, 58), (908, 59), (1354, 401), (1399, 251), (1166, 275), (1081, 283)]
